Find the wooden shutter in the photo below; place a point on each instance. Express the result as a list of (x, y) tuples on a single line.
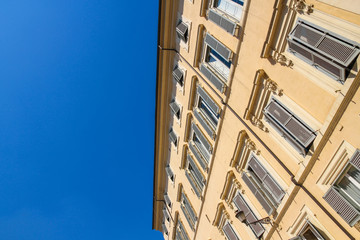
[(202, 138), (222, 21), (342, 206), (169, 172), (229, 232), (178, 76), (187, 217), (189, 208), (203, 122), (211, 103), (173, 137), (175, 109), (165, 213), (203, 163), (182, 31), (218, 47), (212, 78), (164, 229), (167, 199), (196, 171), (258, 194)]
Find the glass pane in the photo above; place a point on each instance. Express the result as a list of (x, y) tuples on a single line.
[(231, 7), (219, 63), (207, 111)]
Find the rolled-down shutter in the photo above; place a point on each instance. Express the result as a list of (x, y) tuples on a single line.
[(258, 194), (257, 228), (229, 232), (178, 76), (267, 180), (218, 47), (342, 206), (355, 159), (202, 161), (211, 103), (175, 108), (182, 31), (301, 136), (203, 122), (212, 78), (222, 21), (202, 138)]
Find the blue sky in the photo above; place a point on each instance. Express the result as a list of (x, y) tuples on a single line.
[(77, 101)]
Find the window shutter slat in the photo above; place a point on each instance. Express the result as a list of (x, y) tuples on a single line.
[(203, 123), (198, 156), (274, 188), (342, 206), (218, 47), (222, 21), (257, 228), (254, 189), (191, 224), (241, 205), (202, 138), (257, 168), (211, 103), (165, 213), (355, 159), (229, 232), (167, 199), (189, 208), (300, 131), (212, 78), (169, 172), (178, 76), (194, 187), (173, 137)]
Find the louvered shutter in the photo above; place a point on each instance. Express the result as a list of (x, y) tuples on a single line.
[(198, 156), (229, 232), (289, 126), (202, 138), (167, 199), (355, 159), (169, 172), (258, 194), (211, 103), (187, 217), (203, 123), (218, 47), (197, 174), (267, 180), (173, 137), (323, 49), (178, 76), (165, 231), (212, 78), (222, 21), (257, 228), (182, 31), (175, 108), (193, 185), (342, 206), (189, 208), (165, 213)]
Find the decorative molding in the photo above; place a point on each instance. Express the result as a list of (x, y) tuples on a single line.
[(231, 186), (184, 156), (221, 216), (187, 127), (179, 191), (301, 7), (264, 87), (280, 58)]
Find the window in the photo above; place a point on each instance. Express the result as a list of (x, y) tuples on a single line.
[(344, 195), (217, 62), (188, 211), (292, 128), (229, 231), (166, 215), (175, 109), (170, 173), (241, 205), (233, 8), (308, 232), (173, 137), (178, 76), (202, 145), (165, 231), (167, 200), (182, 31), (328, 52)]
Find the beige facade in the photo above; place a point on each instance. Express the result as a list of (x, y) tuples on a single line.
[(257, 120)]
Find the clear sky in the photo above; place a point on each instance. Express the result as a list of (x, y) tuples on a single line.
[(77, 102)]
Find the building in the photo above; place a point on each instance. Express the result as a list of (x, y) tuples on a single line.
[(257, 132)]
